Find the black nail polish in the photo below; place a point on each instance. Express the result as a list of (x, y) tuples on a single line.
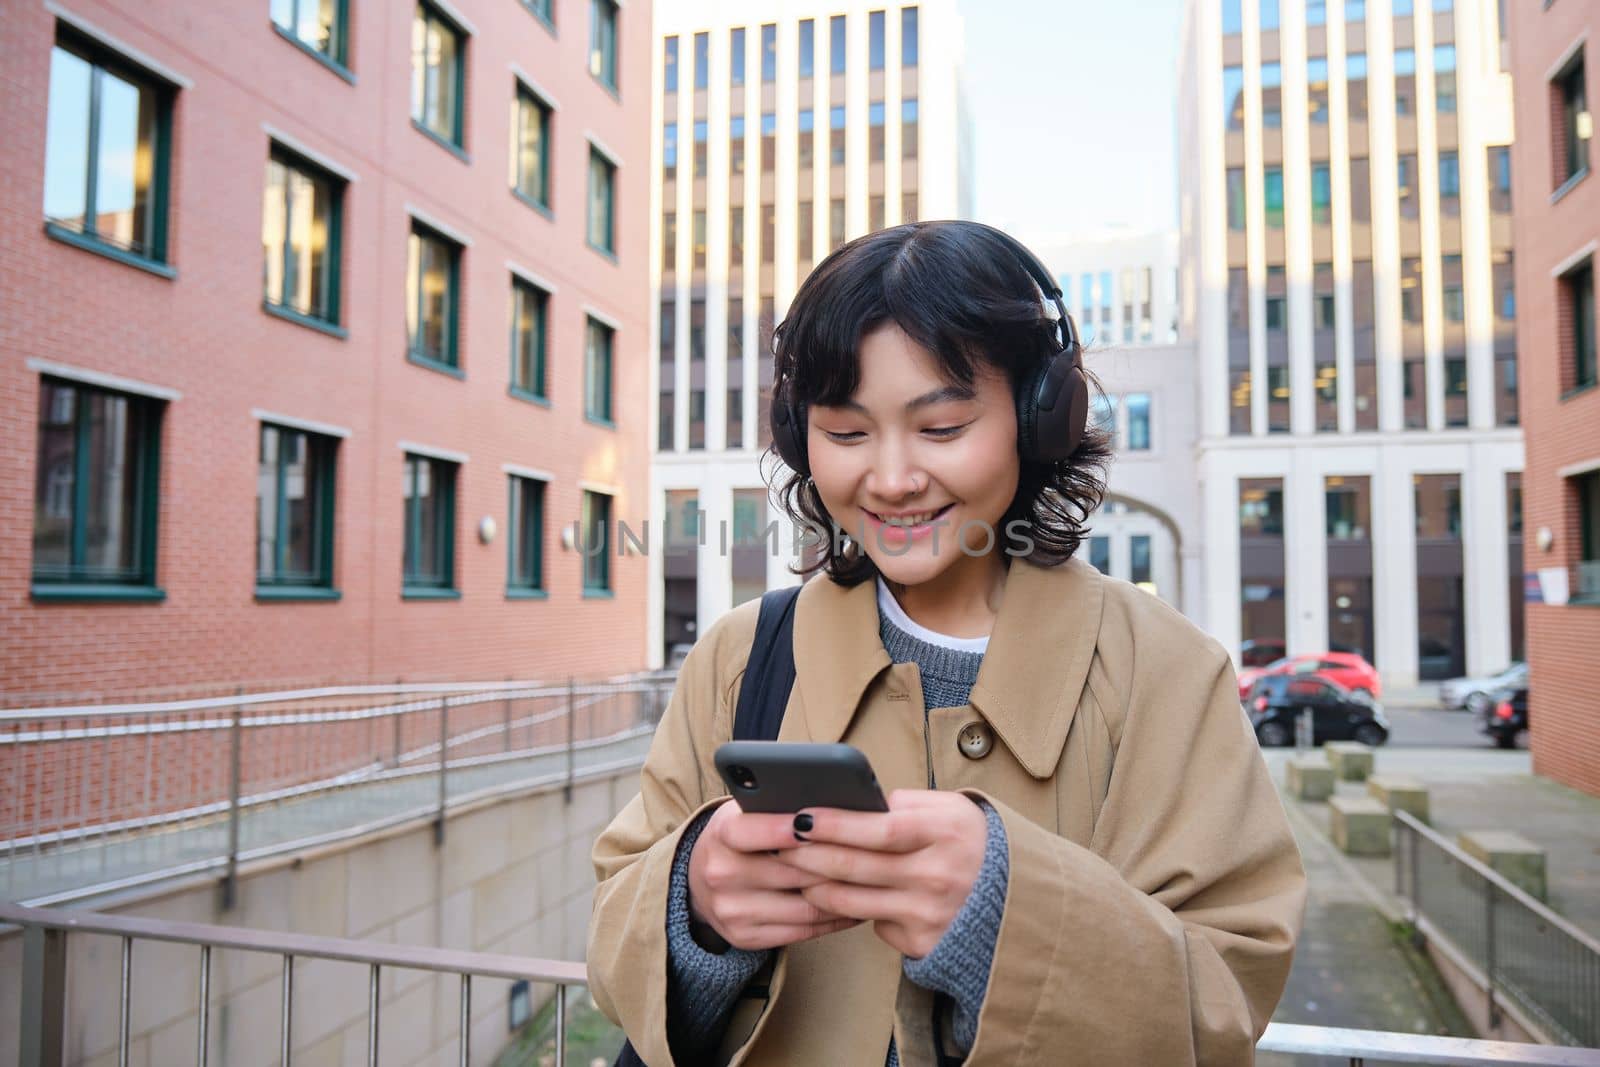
[(802, 823)]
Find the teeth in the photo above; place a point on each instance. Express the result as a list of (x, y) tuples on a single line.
[(911, 520)]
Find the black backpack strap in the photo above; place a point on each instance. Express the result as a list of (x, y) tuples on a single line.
[(769, 674)]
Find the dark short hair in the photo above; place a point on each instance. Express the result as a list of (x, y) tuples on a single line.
[(959, 292)]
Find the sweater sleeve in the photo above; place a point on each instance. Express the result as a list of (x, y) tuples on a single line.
[(702, 985), (959, 965)]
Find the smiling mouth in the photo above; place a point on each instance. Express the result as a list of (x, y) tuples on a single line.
[(908, 521)]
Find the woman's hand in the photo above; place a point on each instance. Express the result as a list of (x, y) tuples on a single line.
[(908, 871), (740, 887)]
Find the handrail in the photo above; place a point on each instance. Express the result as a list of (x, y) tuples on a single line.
[(622, 683), (1385, 1047), (1499, 881), (1355, 1045)]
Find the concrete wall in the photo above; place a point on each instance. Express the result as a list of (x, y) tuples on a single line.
[(512, 877)]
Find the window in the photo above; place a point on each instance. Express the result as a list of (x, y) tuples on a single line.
[(599, 340), (1444, 78), (1271, 94), (669, 65), (1138, 408), (1317, 89), (769, 52), (769, 232), (1405, 81), (669, 151), (317, 24), (602, 202), (836, 38), (1403, 7), (1587, 488), (1236, 199), (1103, 413), (702, 136), (804, 232), (808, 47), (908, 37), (1406, 183), (908, 129), (769, 142), (95, 497), (106, 153), (543, 9), (595, 542), (1272, 183), (530, 307), (1316, 12), (1233, 97), (875, 119), (433, 280), (603, 42), (1139, 559), (836, 136), (702, 60), (835, 222), (525, 537), (300, 232), (1355, 72), (1321, 194), (1232, 17), (1269, 14), (531, 152), (808, 148), (1450, 179), (294, 510), (1100, 554), (1355, 10), (875, 43), (735, 238), (1576, 314), (430, 526), (438, 75), (1500, 179), (1574, 124), (736, 57)]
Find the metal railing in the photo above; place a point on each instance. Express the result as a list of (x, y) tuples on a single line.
[(44, 999), (1522, 955), (109, 797)]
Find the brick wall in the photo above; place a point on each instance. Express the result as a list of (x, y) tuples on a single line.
[(1562, 430), (205, 335)]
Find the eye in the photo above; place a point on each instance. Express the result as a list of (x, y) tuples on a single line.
[(946, 431), (843, 438)]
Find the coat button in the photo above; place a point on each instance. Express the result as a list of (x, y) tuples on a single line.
[(975, 740)]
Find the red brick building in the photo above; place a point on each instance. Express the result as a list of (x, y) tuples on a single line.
[(1556, 203), (298, 298)]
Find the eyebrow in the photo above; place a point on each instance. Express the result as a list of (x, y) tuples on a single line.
[(942, 395)]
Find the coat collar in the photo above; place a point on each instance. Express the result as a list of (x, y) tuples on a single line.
[(1031, 679)]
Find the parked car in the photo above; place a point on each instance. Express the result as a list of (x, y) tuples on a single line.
[(1337, 713), (1258, 652), (1505, 716), (1474, 694), (1343, 668)]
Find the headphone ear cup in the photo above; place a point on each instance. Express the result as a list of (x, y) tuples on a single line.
[(1053, 410), (789, 434)]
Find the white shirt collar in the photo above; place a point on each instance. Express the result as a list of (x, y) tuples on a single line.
[(891, 610)]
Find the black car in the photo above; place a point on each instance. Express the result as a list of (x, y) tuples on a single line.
[(1504, 716), (1337, 714)]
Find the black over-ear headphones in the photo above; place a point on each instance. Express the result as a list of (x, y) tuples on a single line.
[(1052, 402)]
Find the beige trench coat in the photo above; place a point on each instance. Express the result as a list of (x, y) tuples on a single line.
[(1155, 891)]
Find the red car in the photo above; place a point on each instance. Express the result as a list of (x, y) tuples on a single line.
[(1345, 668)]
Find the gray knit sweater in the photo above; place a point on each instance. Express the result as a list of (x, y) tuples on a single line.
[(703, 986)]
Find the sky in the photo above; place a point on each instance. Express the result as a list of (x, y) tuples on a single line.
[(1072, 105)]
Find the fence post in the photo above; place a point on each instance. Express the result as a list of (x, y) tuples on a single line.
[(508, 713), (444, 754), (44, 996), (230, 881), (572, 716), (1489, 953)]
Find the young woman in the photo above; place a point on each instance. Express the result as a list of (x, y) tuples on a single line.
[(1084, 860)]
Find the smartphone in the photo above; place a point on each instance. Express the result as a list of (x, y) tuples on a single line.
[(782, 777)]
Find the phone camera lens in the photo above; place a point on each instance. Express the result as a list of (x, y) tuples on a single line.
[(742, 776)]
